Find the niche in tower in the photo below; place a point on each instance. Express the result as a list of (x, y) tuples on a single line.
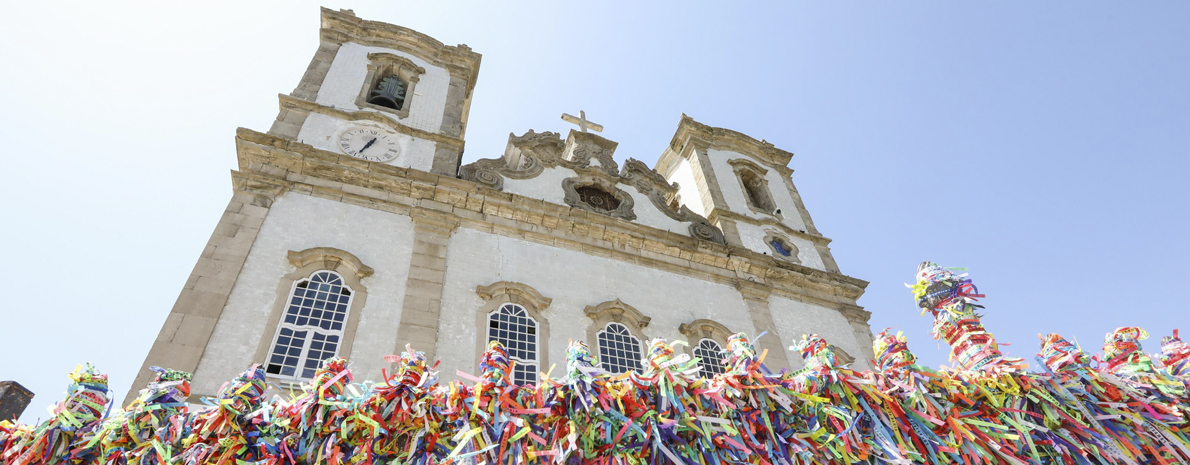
[(389, 84), (755, 186)]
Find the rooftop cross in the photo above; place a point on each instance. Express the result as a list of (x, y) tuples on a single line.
[(581, 121)]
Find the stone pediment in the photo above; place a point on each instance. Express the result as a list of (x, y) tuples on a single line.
[(590, 157)]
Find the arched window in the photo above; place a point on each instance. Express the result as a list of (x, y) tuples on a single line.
[(615, 334), (712, 337), (312, 327), (710, 356), (619, 350), (390, 84), (512, 326)]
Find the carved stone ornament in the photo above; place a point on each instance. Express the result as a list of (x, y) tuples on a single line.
[(528, 155), (330, 259), (584, 146), (791, 250), (621, 208), (517, 293), (660, 193), (617, 311), (524, 158), (704, 329)]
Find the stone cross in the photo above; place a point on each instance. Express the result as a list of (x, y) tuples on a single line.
[(581, 121)]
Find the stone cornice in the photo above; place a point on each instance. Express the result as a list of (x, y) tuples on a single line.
[(691, 134), (293, 103), (271, 165), (343, 26), (753, 291), (767, 222), (856, 314)]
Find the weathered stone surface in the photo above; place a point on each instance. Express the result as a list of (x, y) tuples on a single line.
[(13, 399)]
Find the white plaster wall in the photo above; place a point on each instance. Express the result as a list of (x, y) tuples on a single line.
[(548, 186), (733, 192), (381, 240), (346, 77), (753, 239), (794, 318), (648, 214), (322, 132), (573, 280), (688, 187)]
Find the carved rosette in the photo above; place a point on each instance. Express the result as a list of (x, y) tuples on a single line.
[(485, 172), (572, 197), (704, 230)]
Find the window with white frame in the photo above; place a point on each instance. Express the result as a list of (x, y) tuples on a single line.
[(619, 350), (710, 356), (512, 326), (312, 327)]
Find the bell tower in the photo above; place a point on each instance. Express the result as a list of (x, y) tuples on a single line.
[(382, 93), (744, 186)]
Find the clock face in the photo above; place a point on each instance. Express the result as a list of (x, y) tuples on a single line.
[(369, 144)]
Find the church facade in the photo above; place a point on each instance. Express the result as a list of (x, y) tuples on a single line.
[(353, 230)]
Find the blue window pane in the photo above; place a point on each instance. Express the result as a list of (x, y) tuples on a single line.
[(779, 247)]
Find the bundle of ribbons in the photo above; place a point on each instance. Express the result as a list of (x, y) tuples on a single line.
[(1122, 407)]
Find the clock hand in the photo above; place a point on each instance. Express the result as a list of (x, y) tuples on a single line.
[(369, 144)]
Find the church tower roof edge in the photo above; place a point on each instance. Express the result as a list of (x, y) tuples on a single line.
[(344, 26), (690, 130)]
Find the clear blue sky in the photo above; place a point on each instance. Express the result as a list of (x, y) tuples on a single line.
[(1041, 144)]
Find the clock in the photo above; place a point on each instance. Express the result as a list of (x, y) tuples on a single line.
[(369, 144)]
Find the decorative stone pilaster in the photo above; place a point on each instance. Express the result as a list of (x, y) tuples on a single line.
[(188, 327), (756, 297), (423, 288)]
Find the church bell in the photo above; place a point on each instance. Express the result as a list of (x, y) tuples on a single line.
[(390, 92)]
